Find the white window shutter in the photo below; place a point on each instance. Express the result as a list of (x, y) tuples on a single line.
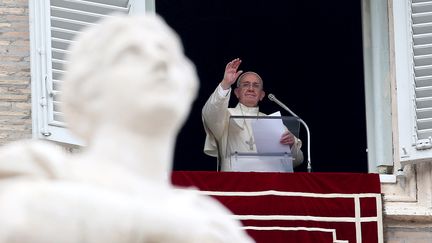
[(422, 49), (61, 21), (414, 88)]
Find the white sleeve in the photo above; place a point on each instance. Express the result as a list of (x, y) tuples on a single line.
[(215, 111), (223, 92)]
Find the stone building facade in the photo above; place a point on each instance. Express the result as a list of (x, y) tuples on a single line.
[(15, 92), (407, 200)]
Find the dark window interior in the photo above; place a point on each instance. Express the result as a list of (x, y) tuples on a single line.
[(309, 54)]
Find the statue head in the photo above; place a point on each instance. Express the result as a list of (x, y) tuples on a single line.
[(130, 72)]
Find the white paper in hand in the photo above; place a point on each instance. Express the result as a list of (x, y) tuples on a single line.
[(267, 134)]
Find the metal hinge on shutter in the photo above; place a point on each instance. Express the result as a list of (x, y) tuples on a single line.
[(44, 104), (423, 144)]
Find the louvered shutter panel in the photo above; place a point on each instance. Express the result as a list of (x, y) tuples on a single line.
[(421, 14), (68, 18), (54, 25), (413, 62)]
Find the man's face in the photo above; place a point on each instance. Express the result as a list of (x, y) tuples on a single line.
[(250, 90)]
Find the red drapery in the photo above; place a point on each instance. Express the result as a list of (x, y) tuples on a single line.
[(297, 207)]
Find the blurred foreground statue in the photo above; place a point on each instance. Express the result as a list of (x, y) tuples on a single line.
[(127, 92)]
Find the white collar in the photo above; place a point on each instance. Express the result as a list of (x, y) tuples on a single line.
[(248, 110)]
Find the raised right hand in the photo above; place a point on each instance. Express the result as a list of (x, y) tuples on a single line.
[(231, 74)]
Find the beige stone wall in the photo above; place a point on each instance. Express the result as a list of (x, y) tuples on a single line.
[(15, 116), (15, 101), (408, 206), (408, 233)]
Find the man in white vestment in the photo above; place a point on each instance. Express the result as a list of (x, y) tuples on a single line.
[(216, 114)]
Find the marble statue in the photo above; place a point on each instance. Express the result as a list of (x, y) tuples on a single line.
[(127, 91)]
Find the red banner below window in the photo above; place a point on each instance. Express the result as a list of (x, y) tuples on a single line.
[(297, 207)]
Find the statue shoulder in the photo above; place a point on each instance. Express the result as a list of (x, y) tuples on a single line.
[(31, 158)]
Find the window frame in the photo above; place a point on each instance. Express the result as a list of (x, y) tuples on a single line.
[(40, 56), (378, 85), (402, 90), (387, 100)]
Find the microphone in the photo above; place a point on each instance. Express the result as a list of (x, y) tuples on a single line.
[(274, 99)]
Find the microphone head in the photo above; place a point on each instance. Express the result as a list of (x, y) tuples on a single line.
[(271, 97)]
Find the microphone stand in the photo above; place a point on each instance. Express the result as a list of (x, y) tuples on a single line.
[(273, 98)]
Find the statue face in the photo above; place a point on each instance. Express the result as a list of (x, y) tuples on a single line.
[(130, 72)]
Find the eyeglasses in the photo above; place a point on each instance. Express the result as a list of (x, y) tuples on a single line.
[(246, 85)]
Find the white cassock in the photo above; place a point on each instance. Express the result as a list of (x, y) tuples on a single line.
[(216, 114)]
